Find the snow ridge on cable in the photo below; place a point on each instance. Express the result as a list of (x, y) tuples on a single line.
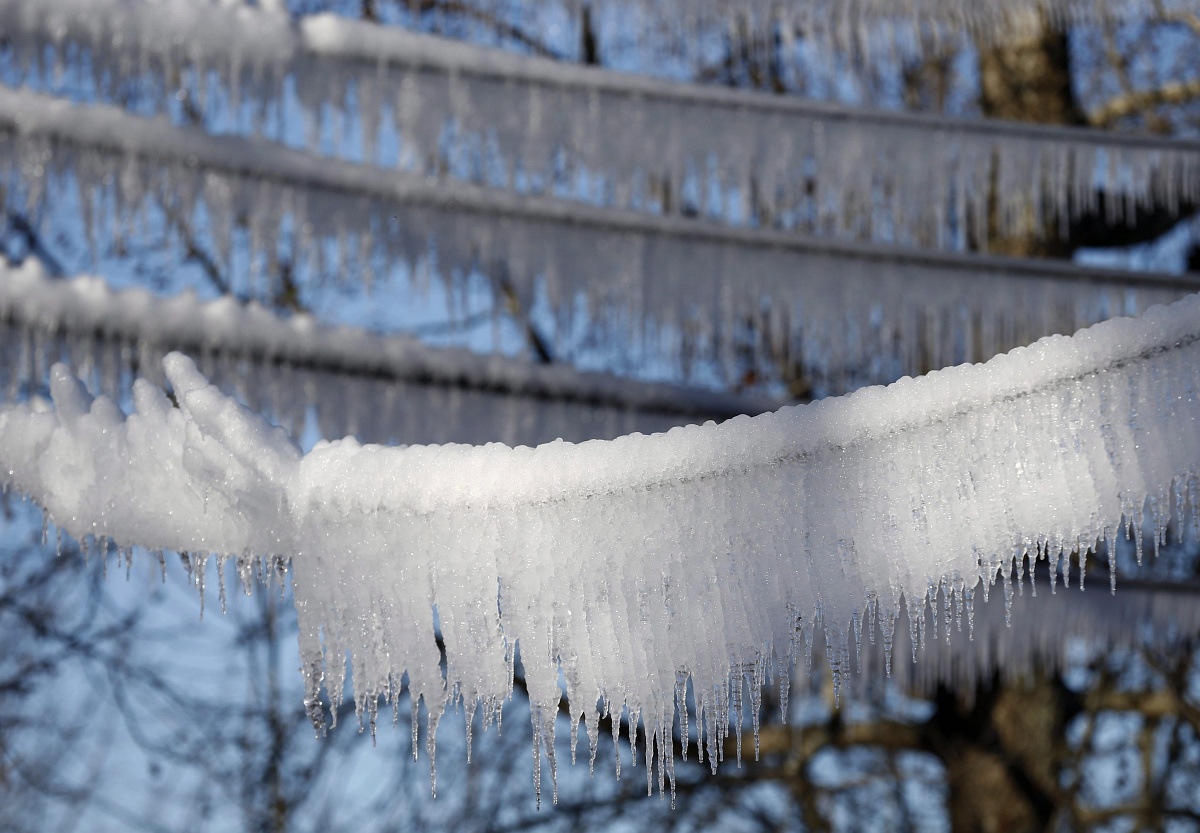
[(648, 571)]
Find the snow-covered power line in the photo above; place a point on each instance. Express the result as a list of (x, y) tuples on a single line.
[(531, 122), (640, 567), (843, 314), (378, 387)]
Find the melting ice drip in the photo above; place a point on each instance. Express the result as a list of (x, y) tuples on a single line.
[(706, 558), (836, 315), (626, 141)]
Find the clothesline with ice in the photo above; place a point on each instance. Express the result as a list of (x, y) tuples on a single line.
[(620, 565)]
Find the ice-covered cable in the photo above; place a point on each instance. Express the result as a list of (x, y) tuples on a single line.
[(837, 315), (649, 572), (627, 140), (378, 387)]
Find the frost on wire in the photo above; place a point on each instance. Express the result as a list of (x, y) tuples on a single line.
[(650, 572)]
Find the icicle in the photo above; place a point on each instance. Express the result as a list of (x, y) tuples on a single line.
[(913, 639), (1008, 600), (946, 609), (681, 681), (221, 582), (969, 595), (615, 719), (887, 626), (200, 571), (635, 718), (591, 721), (432, 717), (414, 723), (959, 590)]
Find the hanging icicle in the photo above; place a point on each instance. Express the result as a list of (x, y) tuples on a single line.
[(834, 315), (618, 566), (380, 388), (449, 109)]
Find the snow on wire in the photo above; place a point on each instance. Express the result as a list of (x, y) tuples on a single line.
[(380, 388), (536, 124), (649, 572), (656, 288)]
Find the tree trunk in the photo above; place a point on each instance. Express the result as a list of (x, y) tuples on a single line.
[(1028, 77), (1003, 753)]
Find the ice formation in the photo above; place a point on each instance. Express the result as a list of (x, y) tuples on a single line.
[(380, 388), (537, 124), (646, 573), (655, 287)]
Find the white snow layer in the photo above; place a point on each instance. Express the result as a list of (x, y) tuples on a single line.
[(538, 124), (843, 314), (638, 568), (380, 388)]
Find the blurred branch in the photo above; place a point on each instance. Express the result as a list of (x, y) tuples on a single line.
[(1136, 102), (21, 226), (501, 27)]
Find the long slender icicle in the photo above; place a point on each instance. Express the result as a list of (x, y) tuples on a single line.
[(497, 117), (841, 315), (619, 565)]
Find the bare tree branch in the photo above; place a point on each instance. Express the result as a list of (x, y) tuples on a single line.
[(1137, 102)]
